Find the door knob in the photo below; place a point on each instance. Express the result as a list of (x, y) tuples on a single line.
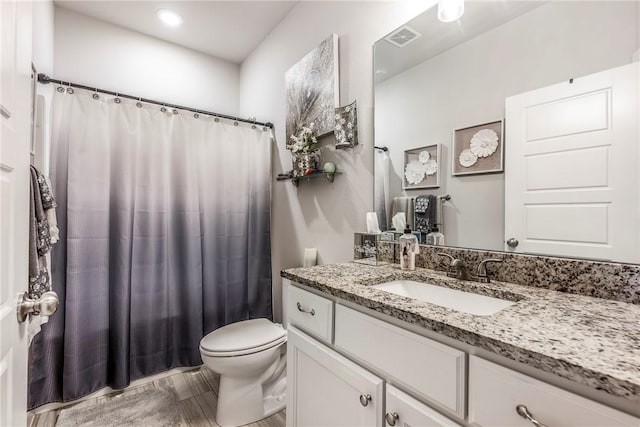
[(512, 242), (46, 305)]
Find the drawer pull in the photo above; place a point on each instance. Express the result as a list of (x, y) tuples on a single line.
[(305, 310), (391, 418), (365, 399), (524, 413)]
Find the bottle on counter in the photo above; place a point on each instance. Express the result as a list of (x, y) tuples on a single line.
[(409, 247), (435, 237)]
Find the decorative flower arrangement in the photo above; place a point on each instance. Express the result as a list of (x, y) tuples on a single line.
[(484, 143), (416, 170), (305, 142)]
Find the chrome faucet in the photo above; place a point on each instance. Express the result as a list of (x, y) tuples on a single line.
[(483, 275), (456, 267)]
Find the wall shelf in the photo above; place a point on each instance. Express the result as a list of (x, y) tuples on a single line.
[(317, 174)]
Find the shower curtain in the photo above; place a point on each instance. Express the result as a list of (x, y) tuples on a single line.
[(164, 219)]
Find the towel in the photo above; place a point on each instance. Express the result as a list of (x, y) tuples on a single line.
[(42, 235)]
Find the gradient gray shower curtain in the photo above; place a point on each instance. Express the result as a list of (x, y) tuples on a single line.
[(164, 222)]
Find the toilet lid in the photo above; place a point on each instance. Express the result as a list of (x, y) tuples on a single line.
[(243, 335)]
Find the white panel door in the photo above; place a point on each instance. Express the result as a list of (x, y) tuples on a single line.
[(572, 180), (15, 99), (325, 389), (403, 410)]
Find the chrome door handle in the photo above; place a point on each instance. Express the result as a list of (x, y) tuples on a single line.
[(46, 305), (391, 418), (524, 413), (365, 399), (512, 242), (305, 310)]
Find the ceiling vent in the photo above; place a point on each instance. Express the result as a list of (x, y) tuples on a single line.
[(403, 36)]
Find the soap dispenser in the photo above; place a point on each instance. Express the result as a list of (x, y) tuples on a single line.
[(435, 238), (408, 249)]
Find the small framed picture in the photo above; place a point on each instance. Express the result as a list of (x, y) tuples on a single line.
[(478, 149), (421, 168)]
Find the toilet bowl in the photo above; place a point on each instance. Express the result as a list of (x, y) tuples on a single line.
[(249, 356)]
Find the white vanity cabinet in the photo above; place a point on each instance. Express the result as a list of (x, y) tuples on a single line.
[(325, 389), (495, 392), (348, 368)]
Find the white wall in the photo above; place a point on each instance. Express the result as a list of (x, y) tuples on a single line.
[(468, 84), (319, 214), (42, 58), (96, 53)]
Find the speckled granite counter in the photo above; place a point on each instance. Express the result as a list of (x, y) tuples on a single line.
[(592, 341)]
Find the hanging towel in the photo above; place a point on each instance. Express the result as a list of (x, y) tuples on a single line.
[(41, 207), (432, 209)]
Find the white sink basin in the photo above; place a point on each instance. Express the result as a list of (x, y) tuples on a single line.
[(465, 302)]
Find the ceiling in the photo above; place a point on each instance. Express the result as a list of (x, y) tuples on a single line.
[(230, 30), (437, 37)]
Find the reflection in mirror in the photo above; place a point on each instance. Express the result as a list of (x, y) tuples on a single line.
[(534, 108)]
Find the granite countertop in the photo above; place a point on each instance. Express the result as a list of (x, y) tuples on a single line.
[(592, 341)]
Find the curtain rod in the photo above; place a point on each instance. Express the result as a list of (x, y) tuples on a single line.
[(44, 79)]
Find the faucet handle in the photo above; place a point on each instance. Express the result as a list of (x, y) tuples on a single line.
[(482, 269)]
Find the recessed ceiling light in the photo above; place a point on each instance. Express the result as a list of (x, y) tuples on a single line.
[(169, 17), (450, 10)]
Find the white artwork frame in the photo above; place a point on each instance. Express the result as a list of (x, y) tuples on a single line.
[(460, 141)]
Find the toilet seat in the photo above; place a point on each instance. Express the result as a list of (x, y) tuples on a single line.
[(241, 338)]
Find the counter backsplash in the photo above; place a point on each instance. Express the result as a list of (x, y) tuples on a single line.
[(620, 282)]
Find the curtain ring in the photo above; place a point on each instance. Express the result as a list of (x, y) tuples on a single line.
[(217, 119), (139, 103), (163, 109), (235, 123), (196, 115), (95, 94), (60, 89), (175, 111), (254, 124), (69, 88), (116, 99)]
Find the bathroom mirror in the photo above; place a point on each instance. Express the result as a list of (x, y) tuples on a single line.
[(520, 99)]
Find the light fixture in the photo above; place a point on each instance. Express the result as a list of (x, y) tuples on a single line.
[(450, 10), (169, 17)]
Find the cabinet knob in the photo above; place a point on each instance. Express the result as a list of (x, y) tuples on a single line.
[(512, 242), (365, 399), (391, 418), (524, 413)]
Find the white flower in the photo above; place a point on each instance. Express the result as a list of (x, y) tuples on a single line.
[(430, 167), (467, 158), (414, 172), (424, 156), (484, 143)]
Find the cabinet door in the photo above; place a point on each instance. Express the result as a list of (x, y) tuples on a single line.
[(405, 411), (326, 389), (495, 393)]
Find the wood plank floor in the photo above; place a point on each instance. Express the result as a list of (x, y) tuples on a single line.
[(196, 393)]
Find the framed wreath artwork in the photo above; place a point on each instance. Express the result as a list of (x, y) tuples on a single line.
[(421, 168), (478, 149)]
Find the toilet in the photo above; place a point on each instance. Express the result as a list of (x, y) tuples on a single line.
[(250, 358)]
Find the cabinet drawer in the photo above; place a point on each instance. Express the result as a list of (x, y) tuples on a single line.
[(408, 411), (495, 391), (428, 369), (310, 312)]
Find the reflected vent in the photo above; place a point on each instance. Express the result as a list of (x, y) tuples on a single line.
[(403, 36)]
